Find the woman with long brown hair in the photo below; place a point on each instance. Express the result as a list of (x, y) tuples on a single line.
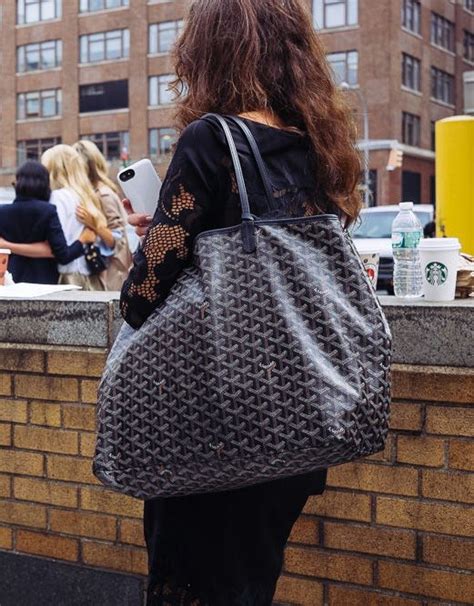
[(260, 60)]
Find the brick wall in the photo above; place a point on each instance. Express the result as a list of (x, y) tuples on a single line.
[(394, 530)]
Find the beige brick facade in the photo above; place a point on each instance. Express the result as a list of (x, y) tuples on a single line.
[(395, 529)]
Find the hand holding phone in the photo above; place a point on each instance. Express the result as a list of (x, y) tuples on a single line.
[(141, 185)]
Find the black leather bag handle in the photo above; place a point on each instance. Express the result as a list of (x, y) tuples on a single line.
[(262, 169), (249, 238)]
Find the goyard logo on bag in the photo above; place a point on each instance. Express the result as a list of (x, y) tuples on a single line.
[(436, 273)]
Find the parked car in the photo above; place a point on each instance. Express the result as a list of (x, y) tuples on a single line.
[(373, 233)]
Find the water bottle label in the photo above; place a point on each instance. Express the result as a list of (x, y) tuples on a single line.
[(408, 239)]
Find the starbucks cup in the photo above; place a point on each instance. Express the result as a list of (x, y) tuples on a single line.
[(439, 264), (4, 255), (371, 263)]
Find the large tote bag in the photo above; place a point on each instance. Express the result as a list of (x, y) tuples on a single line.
[(269, 358)]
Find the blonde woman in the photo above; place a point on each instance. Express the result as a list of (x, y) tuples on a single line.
[(76, 201), (120, 261)]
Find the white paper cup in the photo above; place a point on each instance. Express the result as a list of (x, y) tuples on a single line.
[(371, 263), (439, 264), (4, 256)]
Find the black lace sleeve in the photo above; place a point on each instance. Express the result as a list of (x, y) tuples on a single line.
[(183, 211)]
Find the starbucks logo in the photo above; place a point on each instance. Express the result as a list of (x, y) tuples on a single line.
[(436, 273)]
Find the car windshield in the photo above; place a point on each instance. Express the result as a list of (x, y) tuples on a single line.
[(379, 224)]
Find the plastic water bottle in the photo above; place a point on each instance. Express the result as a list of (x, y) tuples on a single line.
[(407, 233)]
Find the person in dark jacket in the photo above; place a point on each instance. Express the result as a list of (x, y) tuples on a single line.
[(29, 223)]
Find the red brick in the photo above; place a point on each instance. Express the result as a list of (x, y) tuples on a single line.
[(125, 559), (375, 478), (338, 504), (370, 539), (48, 545), (448, 551), (429, 516), (328, 565), (458, 587)]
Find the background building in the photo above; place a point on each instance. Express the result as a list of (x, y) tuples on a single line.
[(100, 69)]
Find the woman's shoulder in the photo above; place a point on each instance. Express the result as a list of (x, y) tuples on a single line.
[(64, 195), (203, 131)]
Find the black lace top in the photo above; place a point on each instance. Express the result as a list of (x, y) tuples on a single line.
[(200, 193)]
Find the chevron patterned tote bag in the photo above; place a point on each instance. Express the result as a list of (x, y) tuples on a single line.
[(269, 358)]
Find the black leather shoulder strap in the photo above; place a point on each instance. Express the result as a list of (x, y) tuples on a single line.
[(262, 169), (248, 223)]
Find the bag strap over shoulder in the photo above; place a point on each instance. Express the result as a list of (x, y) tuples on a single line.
[(262, 169), (248, 221)]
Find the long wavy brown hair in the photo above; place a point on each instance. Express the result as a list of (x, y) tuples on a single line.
[(240, 56)]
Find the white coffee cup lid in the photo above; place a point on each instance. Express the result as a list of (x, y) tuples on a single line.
[(5, 251), (406, 205), (440, 244)]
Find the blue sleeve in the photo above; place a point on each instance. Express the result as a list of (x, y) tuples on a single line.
[(63, 253)]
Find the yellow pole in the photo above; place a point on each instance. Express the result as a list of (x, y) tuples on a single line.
[(455, 180)]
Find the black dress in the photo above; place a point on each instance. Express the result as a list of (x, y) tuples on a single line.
[(26, 221), (222, 549)]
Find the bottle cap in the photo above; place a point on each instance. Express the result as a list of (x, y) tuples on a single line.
[(406, 206)]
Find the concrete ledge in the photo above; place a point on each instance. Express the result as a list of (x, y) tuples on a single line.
[(437, 334), (72, 318)]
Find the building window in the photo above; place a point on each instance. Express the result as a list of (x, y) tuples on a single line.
[(105, 46), (42, 55), (33, 149), (442, 32), (433, 135), (345, 66), (334, 13), (103, 96), (373, 186), (39, 104), (111, 144), (411, 129), (411, 72), (411, 186), (442, 86), (161, 141), (162, 36), (469, 5), (89, 6), (32, 11), (411, 15), (468, 53), (159, 92)]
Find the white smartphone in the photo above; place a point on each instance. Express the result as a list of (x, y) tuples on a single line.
[(141, 185)]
